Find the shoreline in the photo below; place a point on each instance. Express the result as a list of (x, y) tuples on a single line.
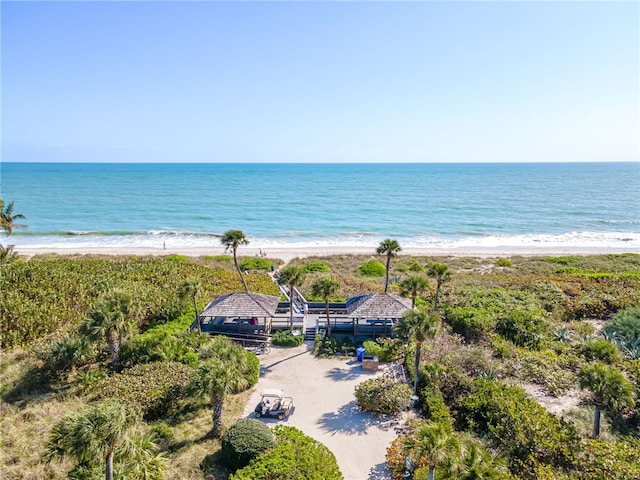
[(289, 253)]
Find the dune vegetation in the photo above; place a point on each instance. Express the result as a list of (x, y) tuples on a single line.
[(527, 350)]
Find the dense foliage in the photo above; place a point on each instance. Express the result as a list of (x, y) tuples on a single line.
[(383, 395), (372, 268), (245, 440), (43, 295), (153, 388), (386, 349), (295, 457), (316, 267), (284, 338)]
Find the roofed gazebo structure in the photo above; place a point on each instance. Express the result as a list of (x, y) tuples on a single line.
[(239, 312), (376, 313)]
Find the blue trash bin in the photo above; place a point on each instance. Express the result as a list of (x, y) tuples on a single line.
[(360, 353)]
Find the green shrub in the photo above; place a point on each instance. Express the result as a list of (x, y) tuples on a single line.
[(383, 396), (600, 350), (284, 338), (524, 328), (528, 433), (616, 460), (326, 346), (433, 406), (252, 372), (625, 324), (504, 262), (472, 323), (255, 263), (161, 346), (152, 388), (316, 267), (372, 268), (295, 457), (66, 354), (245, 440), (386, 349)]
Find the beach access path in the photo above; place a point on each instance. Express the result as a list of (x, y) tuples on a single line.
[(325, 408)]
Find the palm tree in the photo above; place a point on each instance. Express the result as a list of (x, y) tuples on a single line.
[(113, 319), (609, 388), (390, 248), (325, 287), (7, 254), (433, 444), (412, 286), (191, 289), (8, 218), (142, 462), (233, 239), (92, 434), (442, 274), (418, 325), (219, 379), (291, 277), (479, 463)]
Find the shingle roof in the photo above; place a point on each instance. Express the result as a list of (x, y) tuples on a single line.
[(377, 305), (242, 304)]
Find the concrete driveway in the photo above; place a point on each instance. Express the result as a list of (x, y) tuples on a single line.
[(325, 408)]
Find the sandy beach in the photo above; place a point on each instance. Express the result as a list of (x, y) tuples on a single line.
[(289, 253)]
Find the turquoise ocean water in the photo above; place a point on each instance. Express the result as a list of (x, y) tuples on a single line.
[(420, 205)]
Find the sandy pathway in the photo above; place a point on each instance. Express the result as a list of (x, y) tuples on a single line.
[(325, 409)]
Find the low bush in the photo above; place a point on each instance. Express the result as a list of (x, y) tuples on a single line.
[(386, 349), (434, 407), (504, 262), (162, 346), (600, 350), (66, 354), (244, 441), (625, 324), (383, 396), (528, 433), (326, 346), (284, 338), (316, 267), (255, 263), (152, 388), (617, 460), (372, 268), (524, 328), (472, 323), (295, 457)]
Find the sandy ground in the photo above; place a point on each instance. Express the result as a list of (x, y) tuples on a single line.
[(289, 253), (325, 408)]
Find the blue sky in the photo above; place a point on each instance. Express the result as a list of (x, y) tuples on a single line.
[(320, 81)]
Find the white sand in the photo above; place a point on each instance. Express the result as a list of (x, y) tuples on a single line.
[(289, 253)]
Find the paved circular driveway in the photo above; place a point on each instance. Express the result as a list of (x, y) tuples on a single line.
[(325, 408)]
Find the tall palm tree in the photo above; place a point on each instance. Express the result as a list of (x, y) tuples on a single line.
[(92, 434), (325, 287), (390, 248), (233, 239), (609, 388), (219, 379), (442, 274), (292, 277), (191, 289), (412, 286), (112, 319), (419, 326), (8, 218), (433, 444)]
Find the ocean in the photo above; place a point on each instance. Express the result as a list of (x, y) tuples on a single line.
[(554, 205)]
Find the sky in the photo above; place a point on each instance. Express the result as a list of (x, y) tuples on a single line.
[(317, 82)]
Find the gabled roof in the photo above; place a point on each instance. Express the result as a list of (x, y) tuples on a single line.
[(377, 305), (242, 304)]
